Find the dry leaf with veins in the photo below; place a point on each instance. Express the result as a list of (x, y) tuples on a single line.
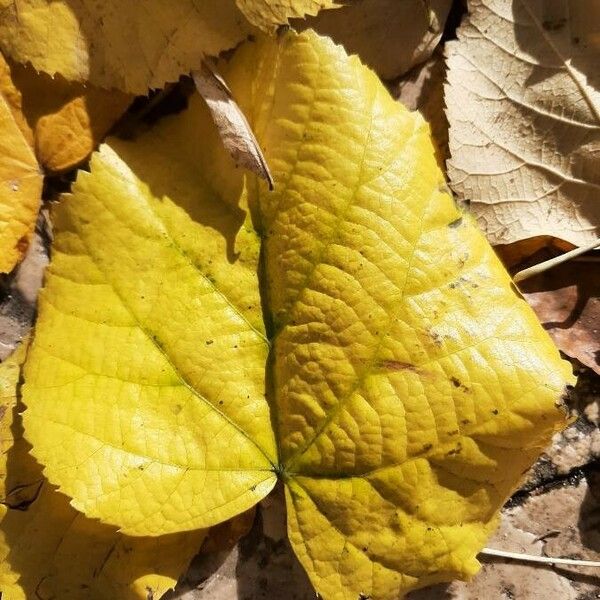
[(233, 126), (523, 103)]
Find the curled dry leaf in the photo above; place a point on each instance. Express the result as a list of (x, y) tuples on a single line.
[(351, 334), (233, 126), (523, 99), (63, 121), (566, 299), (49, 550), (391, 36)]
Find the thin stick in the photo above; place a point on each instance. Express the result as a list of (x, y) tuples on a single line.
[(553, 262), (548, 560)]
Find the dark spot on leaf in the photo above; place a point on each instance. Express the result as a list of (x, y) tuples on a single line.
[(396, 365), (456, 223), (495, 411), (427, 447), (455, 382), (209, 342), (22, 244)]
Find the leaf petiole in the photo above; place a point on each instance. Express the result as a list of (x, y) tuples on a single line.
[(553, 262)]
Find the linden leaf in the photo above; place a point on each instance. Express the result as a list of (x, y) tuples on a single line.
[(409, 385), (134, 46), (413, 386), (63, 121), (523, 98), (157, 438), (49, 550), (20, 186)]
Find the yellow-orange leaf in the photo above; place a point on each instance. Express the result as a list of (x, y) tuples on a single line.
[(63, 121), (20, 184)]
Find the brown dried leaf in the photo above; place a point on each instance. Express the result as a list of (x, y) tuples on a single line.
[(523, 98), (567, 301), (235, 132)]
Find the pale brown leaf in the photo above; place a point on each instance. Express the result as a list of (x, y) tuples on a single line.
[(235, 132), (523, 102), (566, 299)]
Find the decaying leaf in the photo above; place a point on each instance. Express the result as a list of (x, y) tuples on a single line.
[(398, 387), (566, 299), (233, 126), (20, 187), (49, 550), (391, 36), (523, 98), (63, 121), (134, 46), (423, 89)]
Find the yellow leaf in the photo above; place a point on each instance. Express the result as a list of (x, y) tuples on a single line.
[(268, 14), (134, 46), (20, 184), (157, 283), (523, 103), (410, 386), (127, 45), (49, 550), (68, 119)]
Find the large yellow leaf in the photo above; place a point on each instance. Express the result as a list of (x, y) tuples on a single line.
[(20, 188), (134, 46), (145, 295), (49, 550), (410, 386), (62, 121), (523, 98)]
